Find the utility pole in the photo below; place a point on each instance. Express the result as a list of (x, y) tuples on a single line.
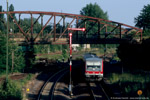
[(7, 46), (12, 62)]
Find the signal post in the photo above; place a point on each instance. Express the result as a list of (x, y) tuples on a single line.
[(70, 46)]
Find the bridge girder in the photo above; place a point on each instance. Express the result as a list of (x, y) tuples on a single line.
[(106, 31)]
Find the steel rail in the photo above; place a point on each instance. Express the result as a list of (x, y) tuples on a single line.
[(40, 93), (104, 91), (53, 88), (100, 88), (92, 93)]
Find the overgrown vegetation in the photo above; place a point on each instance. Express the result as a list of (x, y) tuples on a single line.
[(12, 89), (130, 83), (135, 55), (143, 20), (146, 34), (52, 51), (15, 55)]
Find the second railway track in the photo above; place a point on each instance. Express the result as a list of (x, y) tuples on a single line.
[(47, 90), (98, 92)]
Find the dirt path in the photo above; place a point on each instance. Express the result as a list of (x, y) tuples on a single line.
[(15, 76)]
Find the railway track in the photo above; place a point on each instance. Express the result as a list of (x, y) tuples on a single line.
[(47, 90), (97, 91)]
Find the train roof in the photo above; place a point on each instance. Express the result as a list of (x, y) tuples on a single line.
[(91, 57)]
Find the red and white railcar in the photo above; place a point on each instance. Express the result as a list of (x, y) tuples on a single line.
[(93, 67)]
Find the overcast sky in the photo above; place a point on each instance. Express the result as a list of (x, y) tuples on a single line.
[(123, 11)]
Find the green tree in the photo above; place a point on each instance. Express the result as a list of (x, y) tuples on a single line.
[(12, 26), (26, 24), (59, 28), (52, 48), (19, 62), (93, 10), (18, 58), (11, 8), (2, 52), (1, 20), (64, 51), (48, 28), (143, 20)]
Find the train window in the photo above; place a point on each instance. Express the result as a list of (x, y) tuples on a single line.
[(90, 67), (93, 63), (96, 63), (94, 68)]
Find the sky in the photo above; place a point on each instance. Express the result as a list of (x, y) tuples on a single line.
[(123, 11)]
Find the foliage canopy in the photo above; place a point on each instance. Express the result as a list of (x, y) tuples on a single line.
[(94, 10), (143, 20), (18, 55)]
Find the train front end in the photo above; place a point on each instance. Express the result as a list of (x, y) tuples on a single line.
[(93, 68)]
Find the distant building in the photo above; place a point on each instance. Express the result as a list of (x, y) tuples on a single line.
[(75, 46), (87, 46)]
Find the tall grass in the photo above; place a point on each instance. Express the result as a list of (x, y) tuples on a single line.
[(127, 77), (131, 83), (12, 89)]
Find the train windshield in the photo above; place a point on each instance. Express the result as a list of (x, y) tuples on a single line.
[(94, 66)]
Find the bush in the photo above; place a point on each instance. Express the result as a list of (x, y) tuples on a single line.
[(131, 83), (10, 91), (134, 56)]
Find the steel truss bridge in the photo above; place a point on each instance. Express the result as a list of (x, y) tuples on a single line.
[(98, 31)]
